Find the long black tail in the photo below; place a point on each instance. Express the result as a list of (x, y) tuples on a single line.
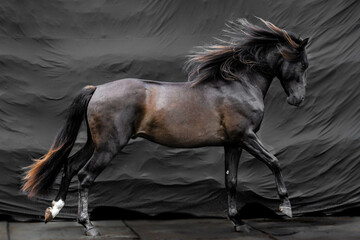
[(43, 172)]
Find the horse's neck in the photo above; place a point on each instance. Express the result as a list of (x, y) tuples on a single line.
[(263, 83), (257, 80), (262, 76)]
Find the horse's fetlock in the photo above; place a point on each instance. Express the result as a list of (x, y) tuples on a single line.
[(232, 212), (81, 219)]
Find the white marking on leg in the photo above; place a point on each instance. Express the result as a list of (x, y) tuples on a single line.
[(227, 172), (56, 207)]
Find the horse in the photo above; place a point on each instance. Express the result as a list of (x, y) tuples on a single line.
[(221, 104)]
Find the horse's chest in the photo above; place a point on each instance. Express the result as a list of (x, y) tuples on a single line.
[(236, 119)]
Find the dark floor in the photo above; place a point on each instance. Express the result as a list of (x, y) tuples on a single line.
[(190, 229)]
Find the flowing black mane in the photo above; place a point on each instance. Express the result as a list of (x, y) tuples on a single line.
[(245, 43)]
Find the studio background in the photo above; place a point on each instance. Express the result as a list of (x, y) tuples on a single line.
[(51, 49)]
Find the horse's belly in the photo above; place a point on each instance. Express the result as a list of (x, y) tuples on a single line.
[(177, 129), (182, 140)]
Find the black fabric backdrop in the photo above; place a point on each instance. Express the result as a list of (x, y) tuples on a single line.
[(51, 49)]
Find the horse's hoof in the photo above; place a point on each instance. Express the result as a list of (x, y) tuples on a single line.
[(285, 208), (93, 232), (244, 228), (48, 215)]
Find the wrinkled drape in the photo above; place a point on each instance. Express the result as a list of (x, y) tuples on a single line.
[(51, 49)]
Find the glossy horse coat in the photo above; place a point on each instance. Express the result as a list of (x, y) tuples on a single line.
[(221, 105)]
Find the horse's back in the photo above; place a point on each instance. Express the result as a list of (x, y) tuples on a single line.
[(179, 115), (172, 114)]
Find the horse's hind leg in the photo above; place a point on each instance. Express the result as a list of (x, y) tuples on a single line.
[(87, 175), (83, 215), (71, 167), (111, 122), (253, 145), (232, 157)]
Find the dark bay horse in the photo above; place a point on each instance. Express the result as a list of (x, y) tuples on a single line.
[(221, 105)]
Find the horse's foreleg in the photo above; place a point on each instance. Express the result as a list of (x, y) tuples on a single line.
[(253, 145), (71, 167), (232, 157)]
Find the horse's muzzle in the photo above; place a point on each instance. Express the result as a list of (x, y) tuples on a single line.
[(295, 101)]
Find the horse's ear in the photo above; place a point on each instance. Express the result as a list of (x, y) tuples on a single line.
[(304, 43)]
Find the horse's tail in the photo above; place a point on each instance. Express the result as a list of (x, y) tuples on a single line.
[(43, 172)]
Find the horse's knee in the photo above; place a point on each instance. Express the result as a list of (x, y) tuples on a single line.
[(274, 164), (231, 183)]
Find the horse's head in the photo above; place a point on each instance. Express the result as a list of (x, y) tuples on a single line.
[(291, 71), (272, 52)]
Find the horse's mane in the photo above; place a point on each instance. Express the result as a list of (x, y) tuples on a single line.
[(245, 44)]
